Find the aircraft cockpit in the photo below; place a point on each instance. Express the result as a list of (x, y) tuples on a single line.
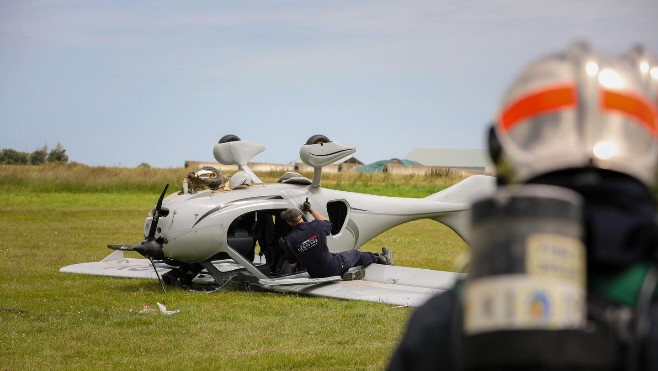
[(265, 228)]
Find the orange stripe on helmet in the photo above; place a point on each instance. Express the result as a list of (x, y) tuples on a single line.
[(635, 106), (547, 100)]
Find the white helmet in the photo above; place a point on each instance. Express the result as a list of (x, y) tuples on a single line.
[(574, 110), (646, 66)]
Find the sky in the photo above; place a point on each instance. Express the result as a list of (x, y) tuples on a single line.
[(120, 83)]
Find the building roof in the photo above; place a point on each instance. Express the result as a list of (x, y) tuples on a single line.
[(378, 166)]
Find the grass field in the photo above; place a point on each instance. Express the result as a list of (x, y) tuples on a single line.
[(55, 216)]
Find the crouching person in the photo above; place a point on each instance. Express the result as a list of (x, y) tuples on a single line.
[(307, 243)]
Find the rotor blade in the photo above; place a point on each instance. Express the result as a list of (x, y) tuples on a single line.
[(121, 247), (156, 214)]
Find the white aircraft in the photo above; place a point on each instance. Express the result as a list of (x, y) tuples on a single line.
[(218, 228)]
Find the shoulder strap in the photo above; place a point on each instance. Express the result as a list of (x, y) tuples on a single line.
[(641, 319)]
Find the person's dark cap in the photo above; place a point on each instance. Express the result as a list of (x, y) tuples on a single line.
[(291, 215)]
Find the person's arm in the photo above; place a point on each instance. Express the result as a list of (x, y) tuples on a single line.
[(324, 222), (306, 206), (317, 215)]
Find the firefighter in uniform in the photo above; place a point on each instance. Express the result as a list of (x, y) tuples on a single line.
[(564, 255)]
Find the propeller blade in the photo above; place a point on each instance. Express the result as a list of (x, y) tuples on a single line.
[(156, 215), (149, 248), (121, 247)]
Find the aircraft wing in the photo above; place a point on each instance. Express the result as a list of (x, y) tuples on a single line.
[(394, 285), (117, 265)]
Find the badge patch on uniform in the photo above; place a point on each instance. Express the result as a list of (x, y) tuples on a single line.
[(521, 302), (308, 244), (557, 256)]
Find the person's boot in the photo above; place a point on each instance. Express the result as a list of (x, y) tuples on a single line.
[(386, 257), (354, 273)]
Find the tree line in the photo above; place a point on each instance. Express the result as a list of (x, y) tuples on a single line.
[(42, 155)]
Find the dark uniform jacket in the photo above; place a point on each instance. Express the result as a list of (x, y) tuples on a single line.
[(429, 342), (308, 244)]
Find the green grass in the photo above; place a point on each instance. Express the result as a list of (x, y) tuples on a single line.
[(53, 320), (76, 178)]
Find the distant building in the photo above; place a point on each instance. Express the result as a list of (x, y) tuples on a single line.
[(383, 165), (466, 159)]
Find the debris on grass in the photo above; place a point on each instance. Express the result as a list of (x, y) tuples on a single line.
[(166, 312), (150, 309)]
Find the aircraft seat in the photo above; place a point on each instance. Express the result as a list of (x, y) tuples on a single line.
[(242, 242)]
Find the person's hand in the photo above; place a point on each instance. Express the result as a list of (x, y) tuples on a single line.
[(306, 206)]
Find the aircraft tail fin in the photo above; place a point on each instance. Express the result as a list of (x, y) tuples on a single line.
[(468, 190), (465, 193)]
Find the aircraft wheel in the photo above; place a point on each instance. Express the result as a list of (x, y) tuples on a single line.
[(318, 138), (230, 138)]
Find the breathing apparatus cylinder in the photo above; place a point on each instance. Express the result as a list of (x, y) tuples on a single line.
[(524, 298)]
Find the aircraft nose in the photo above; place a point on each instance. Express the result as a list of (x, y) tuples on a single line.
[(150, 249)]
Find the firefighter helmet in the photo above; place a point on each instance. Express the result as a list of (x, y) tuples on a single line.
[(578, 109)]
